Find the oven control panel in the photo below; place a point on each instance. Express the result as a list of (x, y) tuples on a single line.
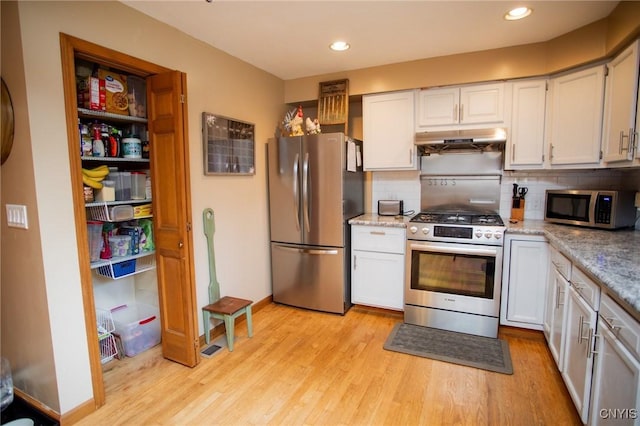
[(491, 235)]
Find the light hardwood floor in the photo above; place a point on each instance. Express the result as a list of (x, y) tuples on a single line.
[(304, 367)]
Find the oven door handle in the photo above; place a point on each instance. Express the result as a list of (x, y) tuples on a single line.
[(472, 251)]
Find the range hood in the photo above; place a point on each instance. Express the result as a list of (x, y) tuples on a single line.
[(480, 139)]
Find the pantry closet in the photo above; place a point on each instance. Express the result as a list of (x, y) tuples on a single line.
[(162, 276)]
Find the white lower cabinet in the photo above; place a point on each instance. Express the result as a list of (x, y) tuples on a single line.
[(524, 281), (578, 351), (615, 397), (377, 266), (554, 316)]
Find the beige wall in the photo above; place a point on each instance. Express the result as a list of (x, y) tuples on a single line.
[(217, 83), (26, 330), (588, 44)]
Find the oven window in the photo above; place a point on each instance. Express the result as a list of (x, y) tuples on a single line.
[(453, 273)]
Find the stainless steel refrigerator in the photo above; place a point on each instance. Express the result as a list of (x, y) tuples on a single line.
[(316, 185)]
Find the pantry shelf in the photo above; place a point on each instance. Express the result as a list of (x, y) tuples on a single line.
[(114, 159), (89, 113)]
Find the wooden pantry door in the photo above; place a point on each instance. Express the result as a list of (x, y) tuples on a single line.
[(169, 155)]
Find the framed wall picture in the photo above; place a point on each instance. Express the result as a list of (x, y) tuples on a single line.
[(229, 146)]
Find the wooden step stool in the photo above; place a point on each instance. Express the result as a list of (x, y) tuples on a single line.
[(227, 309)]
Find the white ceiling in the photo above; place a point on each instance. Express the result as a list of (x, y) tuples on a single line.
[(290, 39)]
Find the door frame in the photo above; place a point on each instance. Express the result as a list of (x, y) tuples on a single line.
[(70, 49)]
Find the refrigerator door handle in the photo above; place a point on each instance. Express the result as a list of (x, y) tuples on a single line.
[(309, 251), (296, 196), (305, 191)]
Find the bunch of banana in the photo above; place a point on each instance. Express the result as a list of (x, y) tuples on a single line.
[(94, 177)]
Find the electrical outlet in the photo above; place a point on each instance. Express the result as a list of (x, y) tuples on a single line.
[(17, 216)]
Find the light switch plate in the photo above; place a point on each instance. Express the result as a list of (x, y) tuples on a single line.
[(17, 216)]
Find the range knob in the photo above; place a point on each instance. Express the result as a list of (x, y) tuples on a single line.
[(488, 234), (497, 235), (478, 233), (413, 229), (425, 230)]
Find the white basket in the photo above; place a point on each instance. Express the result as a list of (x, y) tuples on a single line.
[(104, 320), (113, 271), (108, 348), (103, 213)]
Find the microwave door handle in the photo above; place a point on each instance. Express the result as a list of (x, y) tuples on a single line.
[(296, 196), (472, 251)]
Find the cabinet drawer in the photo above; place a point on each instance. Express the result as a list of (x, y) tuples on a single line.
[(561, 263), (620, 323), (382, 239), (589, 290)]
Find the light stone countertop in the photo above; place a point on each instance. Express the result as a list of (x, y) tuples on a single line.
[(611, 258), (372, 219)]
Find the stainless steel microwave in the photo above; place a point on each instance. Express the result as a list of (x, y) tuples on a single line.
[(597, 209)]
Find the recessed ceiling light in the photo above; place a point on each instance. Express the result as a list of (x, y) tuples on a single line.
[(339, 46), (517, 13)]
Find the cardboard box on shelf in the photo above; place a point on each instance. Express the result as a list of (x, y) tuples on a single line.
[(115, 84)]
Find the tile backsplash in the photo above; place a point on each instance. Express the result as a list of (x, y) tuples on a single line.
[(405, 185), (396, 185)]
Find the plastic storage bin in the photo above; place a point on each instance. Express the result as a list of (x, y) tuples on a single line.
[(138, 326), (123, 185), (107, 193), (137, 88), (138, 184), (120, 245), (94, 229)]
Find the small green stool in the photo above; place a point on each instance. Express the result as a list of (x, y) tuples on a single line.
[(227, 309)]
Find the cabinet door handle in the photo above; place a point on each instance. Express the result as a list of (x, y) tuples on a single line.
[(461, 112), (620, 142), (355, 262), (580, 325), (593, 345), (550, 152), (589, 345), (377, 233), (180, 244), (559, 294), (513, 152), (610, 322)]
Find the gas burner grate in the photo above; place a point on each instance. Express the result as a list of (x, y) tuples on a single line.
[(488, 220), (458, 218)]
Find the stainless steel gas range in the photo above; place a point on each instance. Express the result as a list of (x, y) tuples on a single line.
[(453, 269)]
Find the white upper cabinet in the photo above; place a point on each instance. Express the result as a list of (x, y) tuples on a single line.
[(388, 131), (575, 118), (455, 107), (525, 143), (619, 138)]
